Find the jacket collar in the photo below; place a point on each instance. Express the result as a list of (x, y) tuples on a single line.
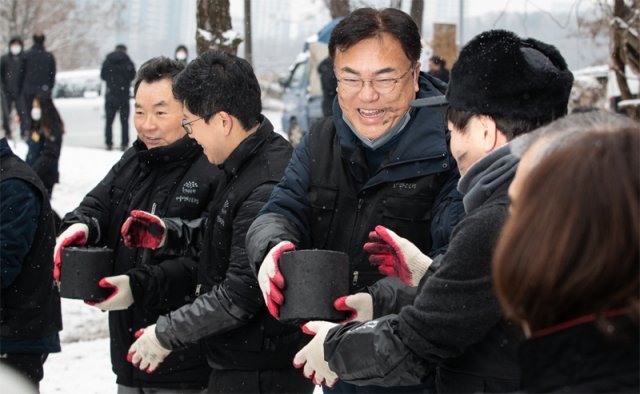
[(247, 148), (487, 175), (183, 149), (5, 149)]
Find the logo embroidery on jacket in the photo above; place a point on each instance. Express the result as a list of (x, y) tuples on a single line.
[(189, 189)]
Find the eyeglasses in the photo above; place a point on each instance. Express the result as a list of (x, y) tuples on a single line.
[(382, 86), (187, 125)]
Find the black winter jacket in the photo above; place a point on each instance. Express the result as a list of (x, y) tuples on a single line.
[(44, 154), (455, 325), (582, 359), (118, 71), (330, 199), (175, 180), (229, 318), (38, 71), (30, 316), (10, 73)]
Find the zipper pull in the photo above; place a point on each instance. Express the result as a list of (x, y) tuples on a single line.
[(198, 290), (355, 278)]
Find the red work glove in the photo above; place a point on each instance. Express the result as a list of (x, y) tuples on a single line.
[(396, 256), (146, 353), (311, 357), (121, 298), (359, 306), (74, 235), (271, 280), (143, 230)]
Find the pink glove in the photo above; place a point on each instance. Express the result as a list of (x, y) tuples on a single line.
[(121, 298), (311, 357), (143, 230), (396, 256), (271, 280), (359, 306), (77, 235)]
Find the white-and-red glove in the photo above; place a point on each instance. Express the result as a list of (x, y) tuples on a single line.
[(75, 235), (270, 279), (359, 306), (121, 298), (311, 357), (396, 256), (147, 353), (143, 230)]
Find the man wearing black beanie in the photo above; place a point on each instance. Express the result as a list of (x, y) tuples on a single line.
[(501, 86)]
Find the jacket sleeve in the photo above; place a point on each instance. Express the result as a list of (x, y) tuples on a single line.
[(47, 161), (448, 211), (165, 286), (184, 236), (285, 217), (19, 213), (230, 303), (96, 207), (455, 308), (389, 295)]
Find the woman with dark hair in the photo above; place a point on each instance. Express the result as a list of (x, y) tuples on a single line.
[(45, 140), (566, 266)]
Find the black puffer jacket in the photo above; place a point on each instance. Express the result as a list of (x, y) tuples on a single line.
[(230, 318), (118, 71), (38, 71), (174, 180)]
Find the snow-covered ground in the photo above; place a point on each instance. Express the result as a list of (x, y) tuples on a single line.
[(84, 364)]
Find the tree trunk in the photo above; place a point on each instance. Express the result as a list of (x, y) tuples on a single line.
[(417, 9), (214, 27), (338, 7), (618, 56), (248, 48)]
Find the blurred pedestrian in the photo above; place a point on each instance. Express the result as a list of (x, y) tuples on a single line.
[(455, 328), (45, 140), (248, 350), (181, 54), (438, 68), (37, 74), (577, 249), (329, 85), (164, 172), (117, 71), (10, 82), (378, 160), (30, 316)]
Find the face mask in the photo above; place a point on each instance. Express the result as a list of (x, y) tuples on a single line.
[(181, 55), (36, 113), (384, 138), (15, 49)]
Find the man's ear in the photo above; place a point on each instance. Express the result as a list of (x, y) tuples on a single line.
[(492, 137), (226, 121)]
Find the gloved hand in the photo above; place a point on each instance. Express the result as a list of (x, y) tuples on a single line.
[(75, 235), (121, 298), (396, 256), (359, 306), (147, 353), (271, 280), (143, 230), (311, 357)]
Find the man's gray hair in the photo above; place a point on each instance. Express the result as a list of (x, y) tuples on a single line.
[(565, 130)]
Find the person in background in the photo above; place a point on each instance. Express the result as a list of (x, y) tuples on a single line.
[(9, 82), (182, 54), (45, 140), (164, 172), (30, 316), (378, 160), (37, 74), (438, 68), (573, 236), (117, 71), (455, 328), (329, 85), (248, 350)]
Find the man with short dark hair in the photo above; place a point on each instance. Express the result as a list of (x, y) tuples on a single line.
[(37, 74), (117, 71), (438, 68), (164, 172), (249, 351)]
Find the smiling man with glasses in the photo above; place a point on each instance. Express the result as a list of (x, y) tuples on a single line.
[(377, 161)]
